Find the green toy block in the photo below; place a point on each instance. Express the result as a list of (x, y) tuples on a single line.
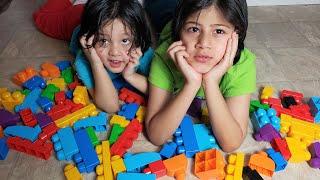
[(49, 91), (115, 133), (92, 135), (67, 75), (255, 104)]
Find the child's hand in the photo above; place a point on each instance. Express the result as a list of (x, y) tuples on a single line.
[(135, 55), (216, 73), (89, 50), (177, 52)]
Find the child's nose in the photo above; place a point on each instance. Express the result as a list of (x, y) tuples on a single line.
[(114, 50), (203, 41)]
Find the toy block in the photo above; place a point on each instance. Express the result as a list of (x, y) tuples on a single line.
[(116, 119), (99, 122), (69, 94), (38, 148), (35, 82), (168, 150), (8, 119), (72, 173), (58, 111), (185, 138), (204, 137), (24, 75), (209, 164), (314, 149), (255, 104), (126, 139), (92, 135), (249, 174), (281, 146), (314, 104), (288, 101), (30, 101), (49, 70), (80, 95), (267, 92), (28, 118), (278, 159), (298, 150), (89, 110), (10, 100), (115, 133), (59, 97), (43, 120), (176, 166), (67, 75), (74, 107), (205, 116), (302, 112), (272, 102), (58, 82), (45, 103), (195, 108), (2, 90), (1, 132), (262, 163), (62, 65), (48, 132), (25, 92), (87, 158), (49, 91), (129, 96), (3, 148), (267, 133), (280, 110), (296, 95), (65, 144), (140, 176), (156, 168), (235, 166), (117, 165), (74, 84), (24, 132), (141, 113), (135, 163), (262, 117), (128, 110), (103, 170)]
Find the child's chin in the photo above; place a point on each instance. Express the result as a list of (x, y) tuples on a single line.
[(116, 70), (202, 69)]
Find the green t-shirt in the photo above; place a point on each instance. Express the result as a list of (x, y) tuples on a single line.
[(240, 79)]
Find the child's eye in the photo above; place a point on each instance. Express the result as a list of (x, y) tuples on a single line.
[(219, 31), (193, 29), (125, 41)]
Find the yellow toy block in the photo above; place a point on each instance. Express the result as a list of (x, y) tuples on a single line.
[(235, 166), (2, 90), (205, 115), (299, 152), (59, 82), (267, 92), (117, 165), (80, 95), (10, 100), (68, 120), (116, 119), (104, 171), (141, 113), (72, 173), (304, 131)]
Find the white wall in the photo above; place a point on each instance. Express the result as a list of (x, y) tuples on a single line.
[(280, 2)]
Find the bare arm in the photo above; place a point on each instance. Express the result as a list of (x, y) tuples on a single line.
[(138, 81)]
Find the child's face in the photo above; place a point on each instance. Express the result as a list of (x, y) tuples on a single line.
[(113, 46), (205, 36)]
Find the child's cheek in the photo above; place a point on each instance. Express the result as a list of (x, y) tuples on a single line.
[(220, 49)]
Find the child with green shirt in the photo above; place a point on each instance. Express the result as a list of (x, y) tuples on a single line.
[(202, 55)]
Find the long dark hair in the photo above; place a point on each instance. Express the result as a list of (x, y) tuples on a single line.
[(97, 13), (234, 11)]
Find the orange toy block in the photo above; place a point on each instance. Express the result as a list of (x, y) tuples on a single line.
[(10, 100), (209, 165), (298, 150), (267, 92), (235, 166), (59, 82), (72, 173), (104, 170), (116, 119), (1, 132), (129, 96), (262, 163), (80, 95), (176, 166), (141, 113), (49, 70), (2, 90), (24, 75)]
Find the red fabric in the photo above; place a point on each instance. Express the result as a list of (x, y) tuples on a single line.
[(58, 18)]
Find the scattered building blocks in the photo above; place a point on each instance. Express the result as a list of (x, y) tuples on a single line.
[(49, 70), (59, 111), (117, 165), (176, 166), (204, 137), (103, 170), (267, 92), (140, 176), (296, 95), (261, 117), (99, 122), (267, 133), (67, 75), (128, 110), (156, 168), (60, 97), (298, 150), (168, 150), (58, 82), (272, 102), (314, 104), (301, 111), (8, 119), (235, 166), (49, 91), (141, 113), (30, 101), (62, 65), (115, 133), (24, 75), (74, 84), (80, 95), (10, 100), (3, 148), (35, 82), (65, 144), (28, 118), (24, 132), (93, 137), (129, 96), (281, 146), (278, 159), (262, 163), (255, 104), (72, 173), (135, 163), (45, 103), (126, 139), (43, 120), (288, 101), (116, 119), (249, 174), (314, 149), (48, 132)]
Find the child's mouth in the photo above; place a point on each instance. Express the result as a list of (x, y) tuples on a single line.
[(115, 63)]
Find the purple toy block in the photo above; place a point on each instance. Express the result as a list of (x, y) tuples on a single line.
[(267, 133), (8, 119), (195, 108), (315, 162), (314, 149), (43, 120)]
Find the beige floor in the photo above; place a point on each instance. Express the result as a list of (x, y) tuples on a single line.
[(286, 40)]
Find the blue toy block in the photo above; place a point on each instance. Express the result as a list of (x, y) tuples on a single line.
[(30, 101), (45, 103), (129, 110), (99, 122), (262, 117), (69, 94), (35, 82), (314, 104), (64, 144), (3, 148), (140, 176), (185, 138), (62, 65), (87, 158), (204, 137), (168, 150), (24, 132), (135, 163), (278, 159)]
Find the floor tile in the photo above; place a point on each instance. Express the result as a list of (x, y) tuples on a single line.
[(265, 14), (311, 30), (301, 12)]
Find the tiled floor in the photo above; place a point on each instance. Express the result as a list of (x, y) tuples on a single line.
[(286, 40)]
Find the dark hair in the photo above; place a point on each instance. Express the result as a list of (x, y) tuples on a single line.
[(97, 13), (234, 11)]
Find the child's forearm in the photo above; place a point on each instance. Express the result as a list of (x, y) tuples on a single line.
[(105, 95), (138, 81), (224, 126)]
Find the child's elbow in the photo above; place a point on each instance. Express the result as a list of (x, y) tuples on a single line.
[(230, 148), (109, 108)]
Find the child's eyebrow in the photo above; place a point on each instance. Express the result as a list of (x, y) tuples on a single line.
[(212, 25)]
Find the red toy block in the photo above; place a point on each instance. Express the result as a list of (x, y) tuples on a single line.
[(74, 106), (129, 96), (49, 70), (301, 111), (59, 97), (157, 168), (24, 75), (281, 110), (272, 101), (296, 95), (126, 139), (58, 111), (48, 131), (38, 148), (28, 118), (280, 145), (74, 84)]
